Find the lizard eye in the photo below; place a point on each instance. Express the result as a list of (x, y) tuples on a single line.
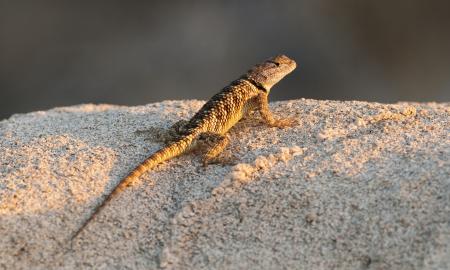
[(273, 62)]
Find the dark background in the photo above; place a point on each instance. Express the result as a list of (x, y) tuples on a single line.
[(55, 53)]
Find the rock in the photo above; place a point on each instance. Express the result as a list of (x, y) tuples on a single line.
[(355, 185)]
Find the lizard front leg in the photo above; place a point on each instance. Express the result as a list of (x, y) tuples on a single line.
[(263, 108), (216, 144)]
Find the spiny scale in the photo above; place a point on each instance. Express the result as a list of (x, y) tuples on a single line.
[(216, 117)]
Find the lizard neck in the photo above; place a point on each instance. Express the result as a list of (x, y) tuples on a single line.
[(256, 84)]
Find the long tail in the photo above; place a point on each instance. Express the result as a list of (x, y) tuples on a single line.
[(168, 152)]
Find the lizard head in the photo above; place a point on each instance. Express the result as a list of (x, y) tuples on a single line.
[(271, 71)]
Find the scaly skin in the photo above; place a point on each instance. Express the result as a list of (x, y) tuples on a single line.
[(212, 122)]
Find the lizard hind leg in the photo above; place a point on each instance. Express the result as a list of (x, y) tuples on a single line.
[(176, 131), (216, 144), (163, 135), (179, 126)]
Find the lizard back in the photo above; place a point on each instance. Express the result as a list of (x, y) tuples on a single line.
[(225, 108)]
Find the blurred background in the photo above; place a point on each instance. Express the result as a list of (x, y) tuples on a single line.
[(57, 53)]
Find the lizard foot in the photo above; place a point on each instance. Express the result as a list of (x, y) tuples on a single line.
[(284, 123)]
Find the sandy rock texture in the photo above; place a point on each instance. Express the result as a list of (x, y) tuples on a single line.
[(354, 185)]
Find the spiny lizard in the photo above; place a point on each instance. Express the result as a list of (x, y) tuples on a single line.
[(212, 122)]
